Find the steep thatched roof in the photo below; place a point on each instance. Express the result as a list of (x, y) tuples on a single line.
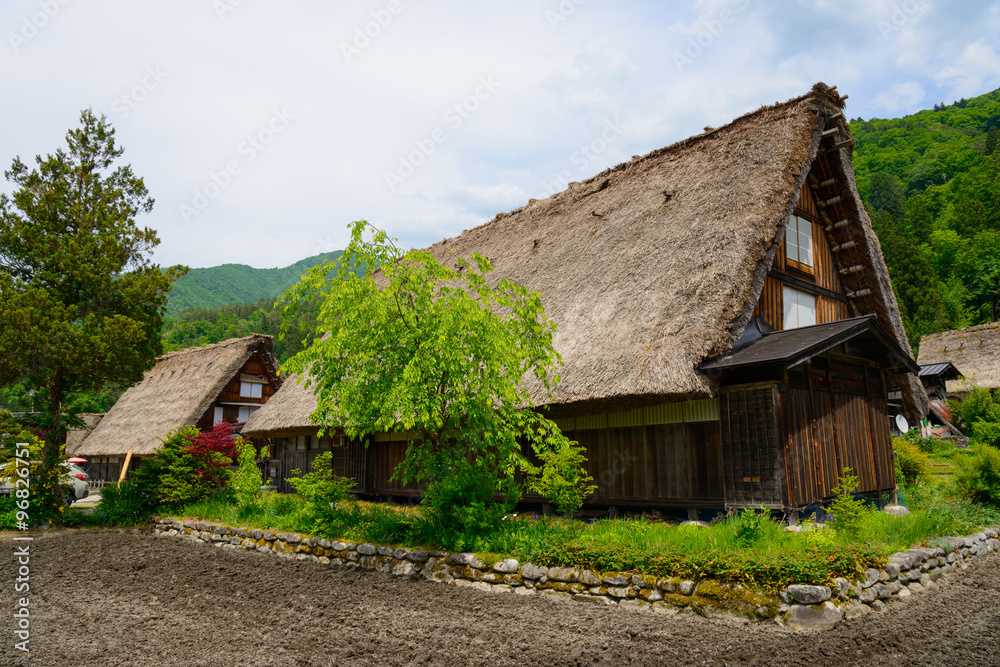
[(287, 413), (174, 393), (974, 350), (655, 265), (76, 436)]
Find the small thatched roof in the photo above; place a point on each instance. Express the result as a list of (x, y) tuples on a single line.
[(287, 413), (76, 436), (655, 265), (174, 393), (974, 350)]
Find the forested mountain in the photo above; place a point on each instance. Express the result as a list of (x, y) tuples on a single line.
[(235, 284), (201, 326), (931, 183)]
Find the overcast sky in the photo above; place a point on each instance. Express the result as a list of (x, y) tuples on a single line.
[(262, 127)]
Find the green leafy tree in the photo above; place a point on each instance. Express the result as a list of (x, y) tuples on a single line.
[(81, 305), (437, 351), (562, 477)]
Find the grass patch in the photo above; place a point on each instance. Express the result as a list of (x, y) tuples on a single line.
[(746, 548)]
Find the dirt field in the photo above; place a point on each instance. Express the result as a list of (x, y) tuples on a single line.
[(127, 598)]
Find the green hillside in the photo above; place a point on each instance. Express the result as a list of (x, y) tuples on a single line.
[(931, 183), (235, 284)]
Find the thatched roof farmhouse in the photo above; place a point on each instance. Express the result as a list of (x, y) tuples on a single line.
[(75, 437), (197, 386), (722, 306), (974, 350)]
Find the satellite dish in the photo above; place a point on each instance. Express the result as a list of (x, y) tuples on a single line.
[(902, 424)]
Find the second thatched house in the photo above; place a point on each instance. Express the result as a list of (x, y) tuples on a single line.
[(728, 328), (199, 386), (974, 350)]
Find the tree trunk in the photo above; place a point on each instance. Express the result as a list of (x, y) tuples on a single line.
[(55, 435)]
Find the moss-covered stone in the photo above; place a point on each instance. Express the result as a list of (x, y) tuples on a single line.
[(713, 598)]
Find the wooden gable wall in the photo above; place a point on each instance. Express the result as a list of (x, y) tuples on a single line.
[(229, 398), (824, 282)]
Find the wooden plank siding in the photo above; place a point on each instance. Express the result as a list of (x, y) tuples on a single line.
[(382, 459), (825, 274), (299, 452), (663, 464), (231, 393), (836, 416), (754, 468)]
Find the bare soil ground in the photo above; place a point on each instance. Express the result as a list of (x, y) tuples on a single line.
[(127, 598)]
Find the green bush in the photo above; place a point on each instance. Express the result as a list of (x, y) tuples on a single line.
[(977, 474), (171, 477), (247, 480), (324, 491), (978, 405), (463, 506), (562, 477), (126, 504), (986, 432), (750, 526), (911, 463), (848, 512), (8, 513)]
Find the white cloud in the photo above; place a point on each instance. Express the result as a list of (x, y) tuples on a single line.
[(905, 97), (978, 64)]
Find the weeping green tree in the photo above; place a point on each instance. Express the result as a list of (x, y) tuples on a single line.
[(440, 351), (81, 304)]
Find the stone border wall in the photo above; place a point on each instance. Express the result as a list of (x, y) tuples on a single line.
[(801, 606)]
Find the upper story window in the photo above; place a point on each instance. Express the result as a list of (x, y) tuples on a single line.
[(799, 244), (800, 308), (251, 389)]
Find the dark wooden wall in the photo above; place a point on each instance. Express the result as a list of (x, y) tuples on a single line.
[(670, 465), (288, 457), (835, 417), (825, 274), (383, 457), (754, 460), (231, 392)]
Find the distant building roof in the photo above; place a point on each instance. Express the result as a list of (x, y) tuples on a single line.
[(976, 350)]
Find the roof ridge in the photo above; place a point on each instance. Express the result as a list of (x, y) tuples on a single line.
[(819, 91), (212, 346)]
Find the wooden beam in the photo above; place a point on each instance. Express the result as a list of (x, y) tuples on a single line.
[(831, 132), (805, 285), (843, 246), (852, 269), (128, 460), (836, 147), (837, 225)]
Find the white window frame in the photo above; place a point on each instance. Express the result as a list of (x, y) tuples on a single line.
[(798, 308), (245, 412), (218, 415), (799, 244), (251, 389)]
